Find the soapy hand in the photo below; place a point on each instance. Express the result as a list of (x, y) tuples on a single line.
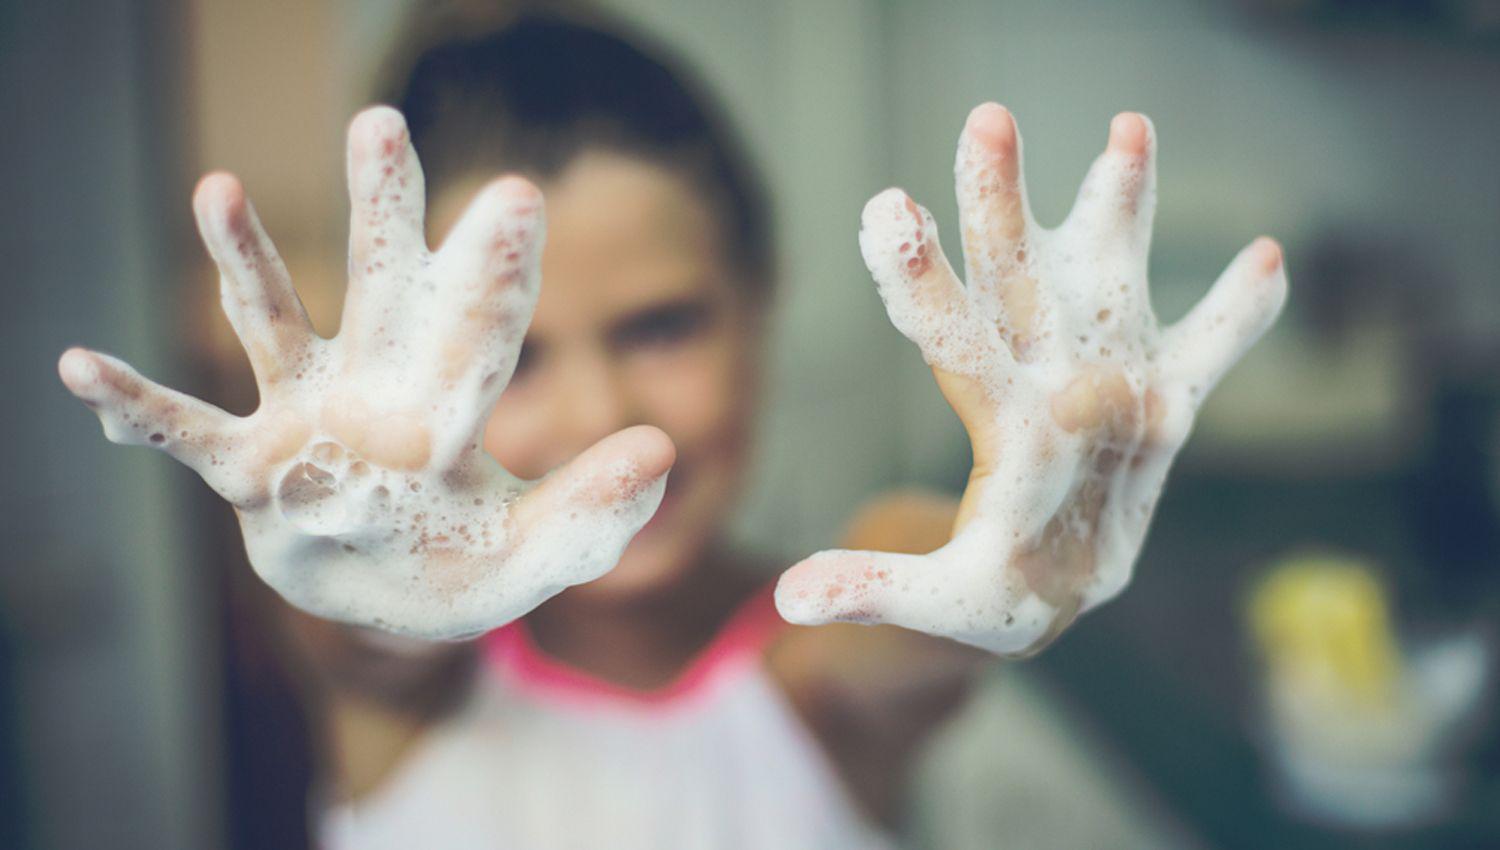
[(1074, 398), (361, 483)]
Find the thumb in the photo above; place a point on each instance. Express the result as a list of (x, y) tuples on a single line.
[(619, 473), (841, 585)]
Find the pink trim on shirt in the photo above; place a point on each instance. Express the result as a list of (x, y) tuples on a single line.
[(515, 656)]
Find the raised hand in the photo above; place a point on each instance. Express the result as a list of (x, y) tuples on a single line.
[(361, 484), (1074, 398)]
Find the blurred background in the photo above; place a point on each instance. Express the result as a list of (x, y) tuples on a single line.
[(1333, 521)]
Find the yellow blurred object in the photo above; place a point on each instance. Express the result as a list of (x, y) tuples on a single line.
[(1323, 622)]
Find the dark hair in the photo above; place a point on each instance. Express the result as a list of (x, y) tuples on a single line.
[(537, 92)]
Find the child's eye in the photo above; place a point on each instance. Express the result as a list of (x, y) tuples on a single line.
[(661, 327)]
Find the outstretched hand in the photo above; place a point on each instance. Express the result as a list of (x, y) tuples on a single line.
[(361, 484), (1074, 398)]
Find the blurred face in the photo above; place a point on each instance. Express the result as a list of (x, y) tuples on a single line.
[(640, 321)]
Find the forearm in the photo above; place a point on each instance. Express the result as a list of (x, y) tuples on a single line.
[(873, 695)]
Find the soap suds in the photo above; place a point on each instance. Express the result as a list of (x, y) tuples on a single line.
[(361, 486), (1089, 398)]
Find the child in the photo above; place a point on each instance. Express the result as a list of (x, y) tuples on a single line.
[(666, 704)]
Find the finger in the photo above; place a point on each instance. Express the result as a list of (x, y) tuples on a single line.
[(995, 215), (622, 475), (574, 526), (386, 204), (386, 189), (254, 287), (1242, 304), (847, 586), (492, 258), (1117, 200), (136, 411), (992, 203), (922, 295)]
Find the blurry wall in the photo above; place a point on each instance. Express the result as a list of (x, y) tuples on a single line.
[(103, 615)]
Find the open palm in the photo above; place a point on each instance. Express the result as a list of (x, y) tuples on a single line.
[(360, 482), (1075, 400)]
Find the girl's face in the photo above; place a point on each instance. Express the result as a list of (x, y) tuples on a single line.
[(640, 321)]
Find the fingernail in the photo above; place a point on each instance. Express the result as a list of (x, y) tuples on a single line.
[(992, 126), (1129, 133), (1267, 254)]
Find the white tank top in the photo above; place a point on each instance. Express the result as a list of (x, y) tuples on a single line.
[(544, 756)]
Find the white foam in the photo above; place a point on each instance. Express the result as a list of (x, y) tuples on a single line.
[(1063, 515), (361, 486)]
